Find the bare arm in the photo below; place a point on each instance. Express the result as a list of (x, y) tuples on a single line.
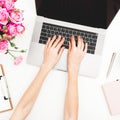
[(75, 56), (52, 54)]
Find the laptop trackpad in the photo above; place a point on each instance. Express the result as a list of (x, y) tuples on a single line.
[(90, 65), (35, 55)]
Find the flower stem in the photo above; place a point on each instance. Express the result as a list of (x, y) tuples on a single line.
[(11, 54), (14, 50), (17, 50)]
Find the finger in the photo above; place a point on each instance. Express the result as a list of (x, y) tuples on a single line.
[(60, 43), (47, 42), (57, 41), (73, 41), (80, 42), (52, 41), (69, 46), (82, 45), (60, 52), (85, 48)]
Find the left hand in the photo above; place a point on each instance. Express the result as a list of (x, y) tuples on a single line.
[(76, 53), (53, 51)]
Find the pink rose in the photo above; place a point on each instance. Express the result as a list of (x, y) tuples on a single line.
[(16, 16), (0, 27), (4, 16), (3, 45), (14, 0), (11, 29), (2, 2), (9, 5), (20, 28), (18, 60)]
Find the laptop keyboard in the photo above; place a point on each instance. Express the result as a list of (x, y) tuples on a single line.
[(48, 30)]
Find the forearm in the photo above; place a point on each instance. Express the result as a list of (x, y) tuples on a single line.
[(28, 99), (71, 101), (52, 53), (75, 56)]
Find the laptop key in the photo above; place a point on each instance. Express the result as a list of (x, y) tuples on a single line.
[(44, 42), (88, 51), (92, 52), (44, 30)]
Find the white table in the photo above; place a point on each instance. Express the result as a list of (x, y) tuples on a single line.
[(50, 102)]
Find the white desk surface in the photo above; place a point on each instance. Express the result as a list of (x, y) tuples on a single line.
[(50, 102)]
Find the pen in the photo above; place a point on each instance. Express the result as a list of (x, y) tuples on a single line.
[(111, 64), (6, 87), (5, 98)]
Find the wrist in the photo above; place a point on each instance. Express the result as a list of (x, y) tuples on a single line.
[(73, 77), (44, 69), (73, 68)]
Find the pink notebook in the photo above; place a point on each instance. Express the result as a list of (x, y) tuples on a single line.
[(111, 91)]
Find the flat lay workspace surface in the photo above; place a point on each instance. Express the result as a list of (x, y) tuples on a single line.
[(50, 102)]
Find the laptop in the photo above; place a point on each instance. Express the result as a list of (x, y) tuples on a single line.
[(87, 18)]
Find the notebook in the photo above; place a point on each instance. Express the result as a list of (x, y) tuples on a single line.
[(5, 99), (111, 92)]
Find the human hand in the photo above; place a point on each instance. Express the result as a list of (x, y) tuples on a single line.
[(76, 53), (53, 51)]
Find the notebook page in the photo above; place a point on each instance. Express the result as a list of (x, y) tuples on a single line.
[(4, 101)]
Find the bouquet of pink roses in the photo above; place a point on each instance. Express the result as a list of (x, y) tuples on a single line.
[(10, 26)]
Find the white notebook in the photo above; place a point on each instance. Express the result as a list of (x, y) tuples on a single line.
[(111, 92), (5, 100)]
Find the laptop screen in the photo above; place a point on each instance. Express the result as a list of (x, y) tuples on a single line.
[(94, 13)]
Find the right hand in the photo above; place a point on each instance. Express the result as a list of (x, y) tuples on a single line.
[(76, 53), (53, 51)]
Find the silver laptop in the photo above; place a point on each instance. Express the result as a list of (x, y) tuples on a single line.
[(70, 17)]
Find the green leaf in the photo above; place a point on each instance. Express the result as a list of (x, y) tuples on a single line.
[(23, 51), (16, 47), (6, 52), (4, 27), (12, 44), (13, 37), (9, 20), (0, 36)]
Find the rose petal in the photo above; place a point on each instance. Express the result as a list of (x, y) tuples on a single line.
[(3, 45), (18, 60)]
